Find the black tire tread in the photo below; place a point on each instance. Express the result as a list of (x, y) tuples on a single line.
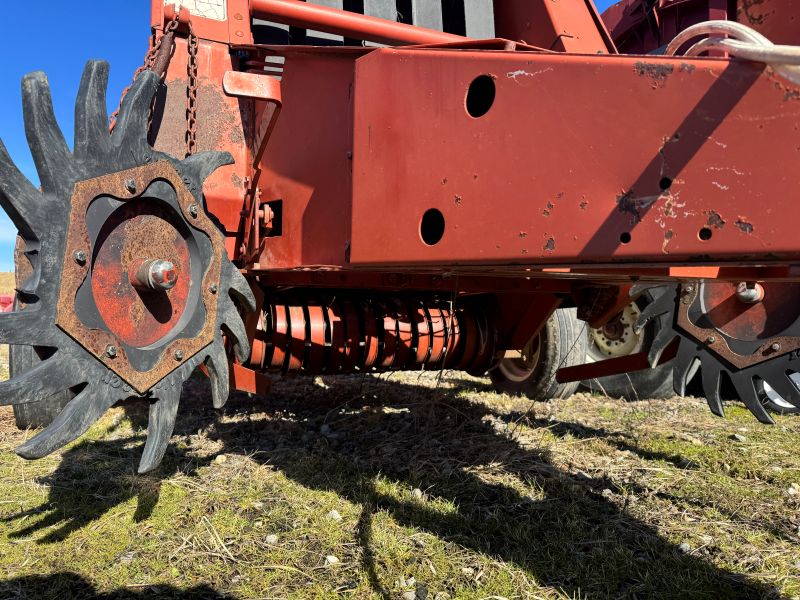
[(564, 343)]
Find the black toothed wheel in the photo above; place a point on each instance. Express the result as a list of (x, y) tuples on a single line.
[(752, 358), (97, 228)]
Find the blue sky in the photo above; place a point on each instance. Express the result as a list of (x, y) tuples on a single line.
[(59, 40)]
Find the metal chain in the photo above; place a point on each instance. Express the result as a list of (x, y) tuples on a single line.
[(149, 59), (191, 95)]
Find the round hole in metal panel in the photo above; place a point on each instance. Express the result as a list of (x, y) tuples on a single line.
[(625, 237), (431, 228), (480, 96), (665, 184), (705, 234)]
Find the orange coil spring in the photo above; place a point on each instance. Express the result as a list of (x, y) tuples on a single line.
[(351, 335)]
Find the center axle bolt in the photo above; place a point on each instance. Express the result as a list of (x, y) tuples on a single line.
[(155, 274), (749, 293)]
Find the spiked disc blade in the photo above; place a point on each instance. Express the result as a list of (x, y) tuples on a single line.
[(173, 292)]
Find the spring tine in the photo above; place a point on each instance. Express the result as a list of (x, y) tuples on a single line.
[(48, 147), (217, 364), (131, 128), (680, 368), (746, 388), (785, 388), (72, 422), (160, 425), (234, 328), (41, 381), (91, 115), (711, 384), (20, 327), (203, 164), (22, 202), (239, 288)]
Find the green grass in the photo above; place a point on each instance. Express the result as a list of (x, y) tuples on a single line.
[(444, 488)]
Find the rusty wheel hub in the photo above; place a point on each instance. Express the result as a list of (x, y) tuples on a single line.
[(126, 287), (123, 295), (750, 339)]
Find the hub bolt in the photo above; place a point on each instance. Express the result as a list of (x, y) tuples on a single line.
[(159, 275), (111, 351), (193, 210), (179, 355), (690, 288), (130, 185), (212, 288), (749, 293), (711, 339), (79, 256), (776, 346)]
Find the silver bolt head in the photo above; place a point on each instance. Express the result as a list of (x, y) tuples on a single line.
[(711, 339), (690, 288), (79, 256), (776, 346), (130, 185), (162, 275), (193, 210), (212, 288), (111, 351), (179, 355)]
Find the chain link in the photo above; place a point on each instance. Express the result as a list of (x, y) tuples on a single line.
[(149, 60), (191, 94), (191, 91)]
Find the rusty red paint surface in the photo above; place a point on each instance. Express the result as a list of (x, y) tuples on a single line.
[(757, 321), (137, 233), (616, 193)]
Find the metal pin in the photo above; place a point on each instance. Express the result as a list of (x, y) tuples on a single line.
[(155, 274)]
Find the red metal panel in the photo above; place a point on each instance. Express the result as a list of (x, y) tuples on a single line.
[(579, 159), (223, 123), (307, 162), (779, 20)]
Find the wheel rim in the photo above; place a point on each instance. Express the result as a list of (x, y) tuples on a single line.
[(617, 337), (519, 365)]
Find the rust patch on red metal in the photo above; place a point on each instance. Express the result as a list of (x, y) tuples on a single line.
[(74, 273), (714, 219), (744, 225), (657, 72), (137, 233)]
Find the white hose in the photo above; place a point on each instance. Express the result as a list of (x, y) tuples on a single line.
[(742, 42)]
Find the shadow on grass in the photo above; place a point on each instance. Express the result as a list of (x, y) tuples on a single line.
[(60, 586), (561, 530)]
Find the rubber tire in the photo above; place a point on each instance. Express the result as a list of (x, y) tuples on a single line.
[(563, 344), (35, 414), (637, 385)]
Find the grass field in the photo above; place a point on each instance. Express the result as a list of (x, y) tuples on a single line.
[(409, 487)]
